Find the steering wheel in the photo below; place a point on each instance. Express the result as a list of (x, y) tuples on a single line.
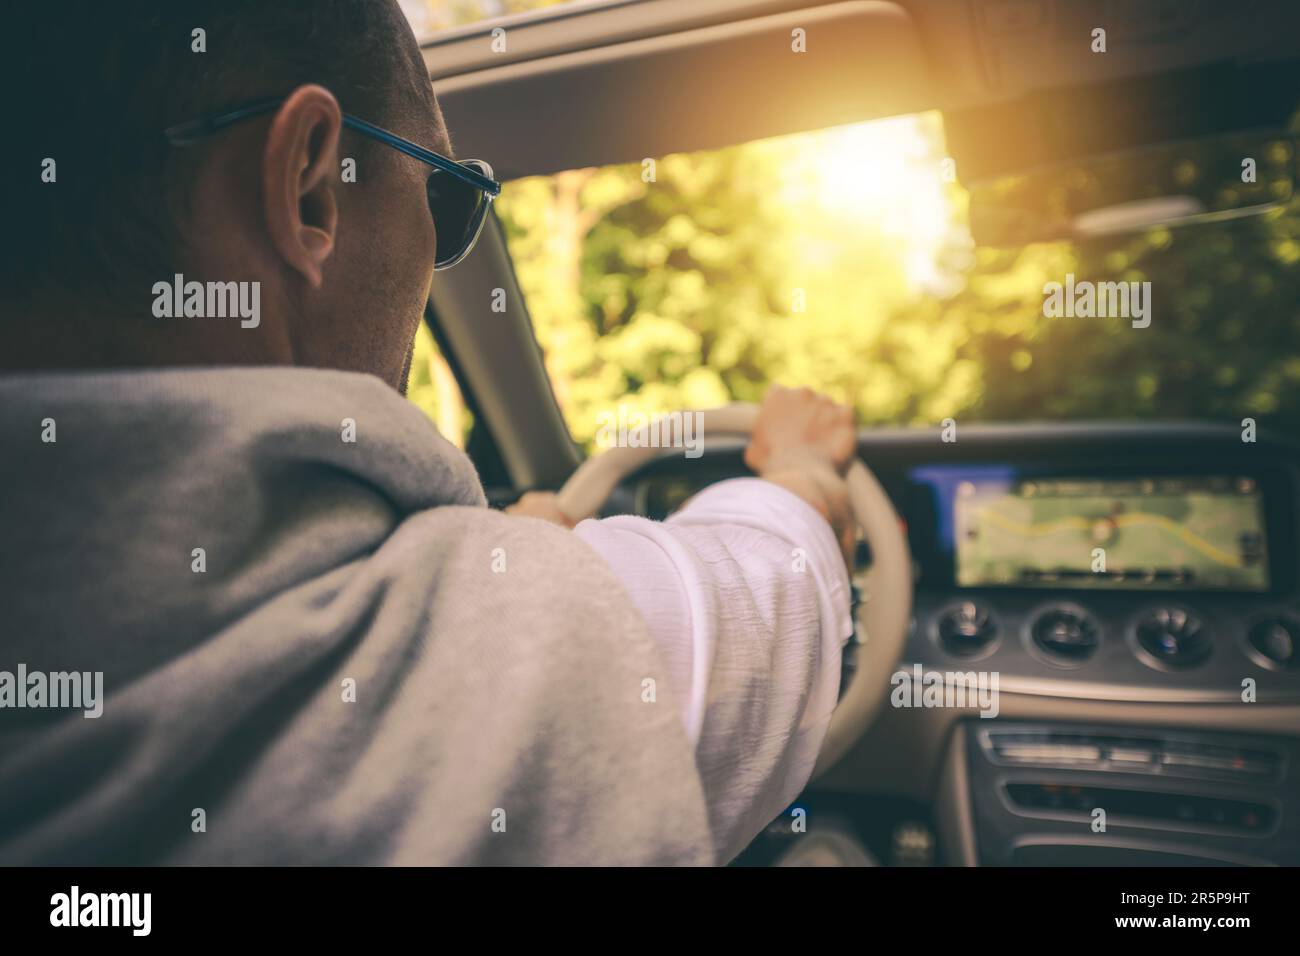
[(884, 613)]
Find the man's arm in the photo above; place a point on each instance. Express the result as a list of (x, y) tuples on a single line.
[(802, 441), (746, 592)]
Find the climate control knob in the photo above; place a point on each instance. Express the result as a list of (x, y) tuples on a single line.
[(966, 629), (1066, 635), (1172, 637)]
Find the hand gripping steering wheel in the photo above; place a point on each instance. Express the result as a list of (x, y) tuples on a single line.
[(883, 614)]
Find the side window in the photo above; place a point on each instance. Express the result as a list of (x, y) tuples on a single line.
[(432, 388)]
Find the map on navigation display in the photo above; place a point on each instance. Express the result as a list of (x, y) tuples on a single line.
[(1140, 533)]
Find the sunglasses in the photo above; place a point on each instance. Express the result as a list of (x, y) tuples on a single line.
[(460, 193)]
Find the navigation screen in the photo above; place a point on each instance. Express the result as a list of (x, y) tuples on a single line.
[(1156, 533)]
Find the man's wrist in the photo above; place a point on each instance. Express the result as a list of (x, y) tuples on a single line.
[(821, 486)]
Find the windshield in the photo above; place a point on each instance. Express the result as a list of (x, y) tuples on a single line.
[(842, 259)]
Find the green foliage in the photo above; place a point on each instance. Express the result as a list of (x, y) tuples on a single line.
[(432, 388), (840, 260)]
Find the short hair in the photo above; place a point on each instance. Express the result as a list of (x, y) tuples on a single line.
[(94, 83)]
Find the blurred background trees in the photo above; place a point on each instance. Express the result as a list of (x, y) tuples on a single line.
[(841, 259)]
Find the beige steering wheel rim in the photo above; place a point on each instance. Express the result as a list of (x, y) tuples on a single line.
[(884, 614)]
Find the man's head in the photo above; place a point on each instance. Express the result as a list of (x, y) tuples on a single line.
[(344, 266)]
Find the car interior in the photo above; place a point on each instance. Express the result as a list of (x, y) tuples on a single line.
[(1111, 548)]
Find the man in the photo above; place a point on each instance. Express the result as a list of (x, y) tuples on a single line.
[(316, 645)]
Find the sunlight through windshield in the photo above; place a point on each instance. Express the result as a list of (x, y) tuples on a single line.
[(842, 259)]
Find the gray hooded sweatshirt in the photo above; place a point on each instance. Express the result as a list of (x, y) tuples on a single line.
[(313, 650)]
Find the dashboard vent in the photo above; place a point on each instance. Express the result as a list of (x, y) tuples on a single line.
[(1173, 637), (1115, 751), (966, 629), (1066, 635)]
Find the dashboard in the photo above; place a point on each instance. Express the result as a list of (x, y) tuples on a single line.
[(1107, 562), (1130, 591)]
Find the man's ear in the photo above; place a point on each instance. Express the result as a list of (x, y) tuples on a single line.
[(299, 172)]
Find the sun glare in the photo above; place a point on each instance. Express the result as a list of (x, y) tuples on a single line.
[(884, 175)]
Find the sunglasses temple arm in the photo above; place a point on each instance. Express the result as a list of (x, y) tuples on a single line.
[(489, 186), (182, 134)]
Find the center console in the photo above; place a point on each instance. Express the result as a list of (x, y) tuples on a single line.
[(1147, 575), (1080, 795)]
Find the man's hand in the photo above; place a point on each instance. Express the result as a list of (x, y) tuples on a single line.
[(540, 504), (797, 426), (805, 442)]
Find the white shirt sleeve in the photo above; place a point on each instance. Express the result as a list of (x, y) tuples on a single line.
[(745, 592)]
